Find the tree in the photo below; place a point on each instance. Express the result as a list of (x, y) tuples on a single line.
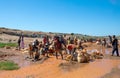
[(72, 33)]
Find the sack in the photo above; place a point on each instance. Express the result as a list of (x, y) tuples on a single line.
[(82, 59), (68, 58)]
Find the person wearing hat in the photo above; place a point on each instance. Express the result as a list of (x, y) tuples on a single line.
[(115, 45)]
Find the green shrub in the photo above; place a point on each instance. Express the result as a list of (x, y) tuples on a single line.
[(8, 44), (8, 65)]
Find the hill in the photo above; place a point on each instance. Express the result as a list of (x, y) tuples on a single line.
[(40, 34)]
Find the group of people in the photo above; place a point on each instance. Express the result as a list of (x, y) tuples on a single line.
[(113, 42), (57, 44), (54, 46)]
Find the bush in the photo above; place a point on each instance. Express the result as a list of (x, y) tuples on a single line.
[(8, 65), (2, 45)]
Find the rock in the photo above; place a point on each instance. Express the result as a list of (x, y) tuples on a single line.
[(7, 47)]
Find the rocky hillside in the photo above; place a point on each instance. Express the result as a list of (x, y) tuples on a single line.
[(33, 34), (16, 32)]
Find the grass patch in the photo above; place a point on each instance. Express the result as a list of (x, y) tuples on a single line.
[(8, 65), (2, 45)]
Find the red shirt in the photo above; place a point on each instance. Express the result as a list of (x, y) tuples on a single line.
[(45, 41), (70, 47)]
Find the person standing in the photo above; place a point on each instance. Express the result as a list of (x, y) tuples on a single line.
[(19, 41), (22, 42), (104, 42), (58, 47), (115, 45), (110, 39), (46, 40), (35, 45)]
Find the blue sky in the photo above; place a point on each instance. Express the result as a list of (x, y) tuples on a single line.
[(91, 17)]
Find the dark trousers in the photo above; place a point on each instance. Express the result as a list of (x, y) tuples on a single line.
[(18, 46), (60, 54), (115, 49)]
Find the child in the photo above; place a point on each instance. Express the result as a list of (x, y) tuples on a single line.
[(31, 51)]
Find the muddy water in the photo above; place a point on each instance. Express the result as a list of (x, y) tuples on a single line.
[(51, 69), (92, 70)]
